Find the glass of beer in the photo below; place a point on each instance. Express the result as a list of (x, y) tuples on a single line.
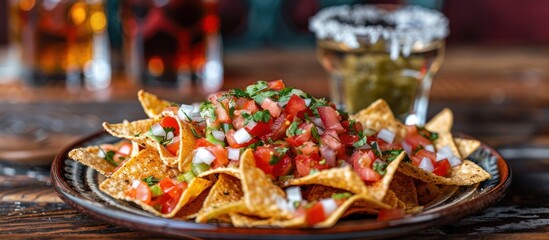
[(62, 41), (381, 51), (173, 43)]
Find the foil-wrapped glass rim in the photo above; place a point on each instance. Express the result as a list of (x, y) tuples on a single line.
[(401, 28)]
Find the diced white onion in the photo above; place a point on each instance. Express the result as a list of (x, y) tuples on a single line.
[(196, 109), (307, 101), (318, 122), (233, 153), (169, 135), (407, 148), (251, 124), (426, 165), (430, 148), (202, 155), (158, 130), (185, 112), (219, 135), (242, 136), (101, 154), (386, 135), (329, 205), (454, 161), (294, 194), (319, 130), (136, 183), (446, 150), (442, 155)]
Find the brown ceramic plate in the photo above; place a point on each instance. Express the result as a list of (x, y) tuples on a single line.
[(77, 185)]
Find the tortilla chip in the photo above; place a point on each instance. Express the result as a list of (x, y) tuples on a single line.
[(338, 213), (379, 188), (187, 143), (152, 104), (225, 196), (262, 197), (442, 122), (378, 116), (405, 190), (240, 220), (341, 178), (191, 209), (467, 173), (427, 192), (466, 147), (359, 211), (146, 163), (135, 131), (234, 172), (390, 199), (89, 157)]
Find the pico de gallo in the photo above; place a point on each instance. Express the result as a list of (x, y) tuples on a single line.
[(162, 194), (292, 134), (115, 154)]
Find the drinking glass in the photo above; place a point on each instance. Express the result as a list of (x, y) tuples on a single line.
[(381, 51), (62, 40), (173, 43)]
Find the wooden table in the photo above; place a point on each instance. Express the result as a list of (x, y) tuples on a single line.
[(499, 95)]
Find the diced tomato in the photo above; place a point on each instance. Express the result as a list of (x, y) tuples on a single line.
[(414, 139), (348, 139), (229, 135), (238, 122), (173, 147), (240, 102), (170, 122), (304, 164), (222, 114), (416, 160), (125, 148), (441, 167), (330, 119), (261, 129), (202, 142), (169, 187), (384, 146), (276, 85), (278, 128), (307, 148), (283, 167), (221, 155), (295, 105), (390, 214), (164, 203), (272, 107), (428, 154), (142, 193), (315, 214), (262, 156), (250, 106), (330, 139), (368, 174), (357, 127)]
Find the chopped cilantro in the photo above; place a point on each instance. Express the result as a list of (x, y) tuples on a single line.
[(340, 196), (151, 180), (427, 134), (292, 129), (278, 154), (254, 89), (262, 116), (259, 98), (380, 167), (196, 135), (375, 148), (315, 134), (109, 156), (162, 139), (137, 134), (207, 109), (361, 142), (391, 155)]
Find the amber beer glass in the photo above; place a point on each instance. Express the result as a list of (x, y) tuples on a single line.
[(381, 51), (173, 43), (61, 41)]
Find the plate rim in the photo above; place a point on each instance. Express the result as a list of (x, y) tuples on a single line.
[(348, 229)]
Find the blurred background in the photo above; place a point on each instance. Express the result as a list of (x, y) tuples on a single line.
[(494, 74)]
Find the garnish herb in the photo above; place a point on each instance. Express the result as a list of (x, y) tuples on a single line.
[(380, 167), (195, 134), (292, 129), (375, 148), (390, 155), (427, 134), (151, 180), (207, 110), (361, 142), (109, 156), (278, 154)]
